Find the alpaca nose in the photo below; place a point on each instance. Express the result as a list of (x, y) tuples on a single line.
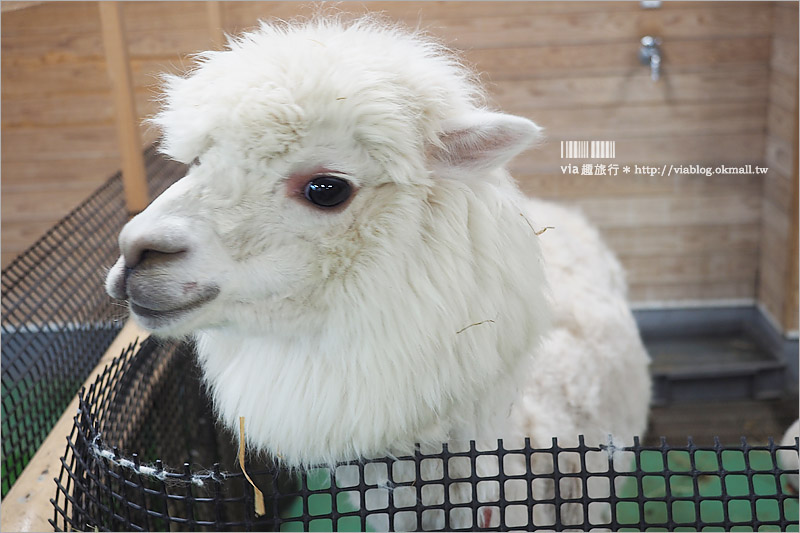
[(150, 239), (149, 252), (143, 254), (144, 249)]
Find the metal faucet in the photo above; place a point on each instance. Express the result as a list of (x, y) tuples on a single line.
[(650, 54)]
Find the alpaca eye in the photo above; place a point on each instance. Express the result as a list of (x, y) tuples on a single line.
[(327, 191)]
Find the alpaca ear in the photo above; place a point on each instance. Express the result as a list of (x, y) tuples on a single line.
[(482, 141)]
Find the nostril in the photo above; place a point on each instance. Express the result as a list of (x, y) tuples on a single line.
[(149, 254), (141, 259), (152, 257), (147, 250), (146, 253)]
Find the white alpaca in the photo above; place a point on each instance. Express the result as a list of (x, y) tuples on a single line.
[(788, 459), (359, 271)]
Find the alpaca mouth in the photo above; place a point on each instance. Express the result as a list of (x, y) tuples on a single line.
[(155, 318)]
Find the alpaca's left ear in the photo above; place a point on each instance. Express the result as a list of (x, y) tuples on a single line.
[(482, 141)]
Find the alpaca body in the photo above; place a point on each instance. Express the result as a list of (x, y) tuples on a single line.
[(586, 375), (359, 271), (788, 460), (591, 371), (425, 349)]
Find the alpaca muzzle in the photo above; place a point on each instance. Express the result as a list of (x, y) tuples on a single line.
[(159, 272), (157, 289)]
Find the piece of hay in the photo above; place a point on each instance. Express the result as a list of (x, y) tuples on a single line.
[(537, 233), (260, 508), (474, 324)]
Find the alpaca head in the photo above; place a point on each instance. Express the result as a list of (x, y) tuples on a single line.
[(339, 173), (308, 144)]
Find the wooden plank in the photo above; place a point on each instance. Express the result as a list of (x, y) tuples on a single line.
[(58, 110), (775, 225), (9, 6), (56, 174), (25, 206), (734, 208), (669, 269), (777, 193), (188, 31), (130, 140), (772, 290), (166, 16), (27, 505), (781, 90), (65, 79), (779, 153), (735, 85), (47, 17), (54, 47), (656, 295), (160, 44), (216, 24), (784, 55), (780, 122), (81, 17), (652, 120), (771, 295), (60, 143), (702, 52), (73, 110), (777, 284), (147, 72), (244, 14), (533, 62), (50, 17), (791, 315), (56, 79), (33, 49), (572, 28), (680, 240), (790, 312), (785, 19)]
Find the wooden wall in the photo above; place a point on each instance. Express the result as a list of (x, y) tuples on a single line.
[(570, 66), (777, 288)]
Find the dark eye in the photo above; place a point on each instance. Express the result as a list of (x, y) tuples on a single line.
[(327, 191)]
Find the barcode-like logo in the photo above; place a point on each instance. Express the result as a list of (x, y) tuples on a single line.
[(588, 149)]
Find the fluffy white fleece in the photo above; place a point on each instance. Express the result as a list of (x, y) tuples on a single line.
[(429, 308), (788, 459)]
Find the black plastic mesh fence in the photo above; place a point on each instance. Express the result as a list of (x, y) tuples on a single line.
[(151, 401), (56, 318)]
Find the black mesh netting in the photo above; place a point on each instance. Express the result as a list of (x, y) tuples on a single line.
[(145, 454), (56, 318)]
